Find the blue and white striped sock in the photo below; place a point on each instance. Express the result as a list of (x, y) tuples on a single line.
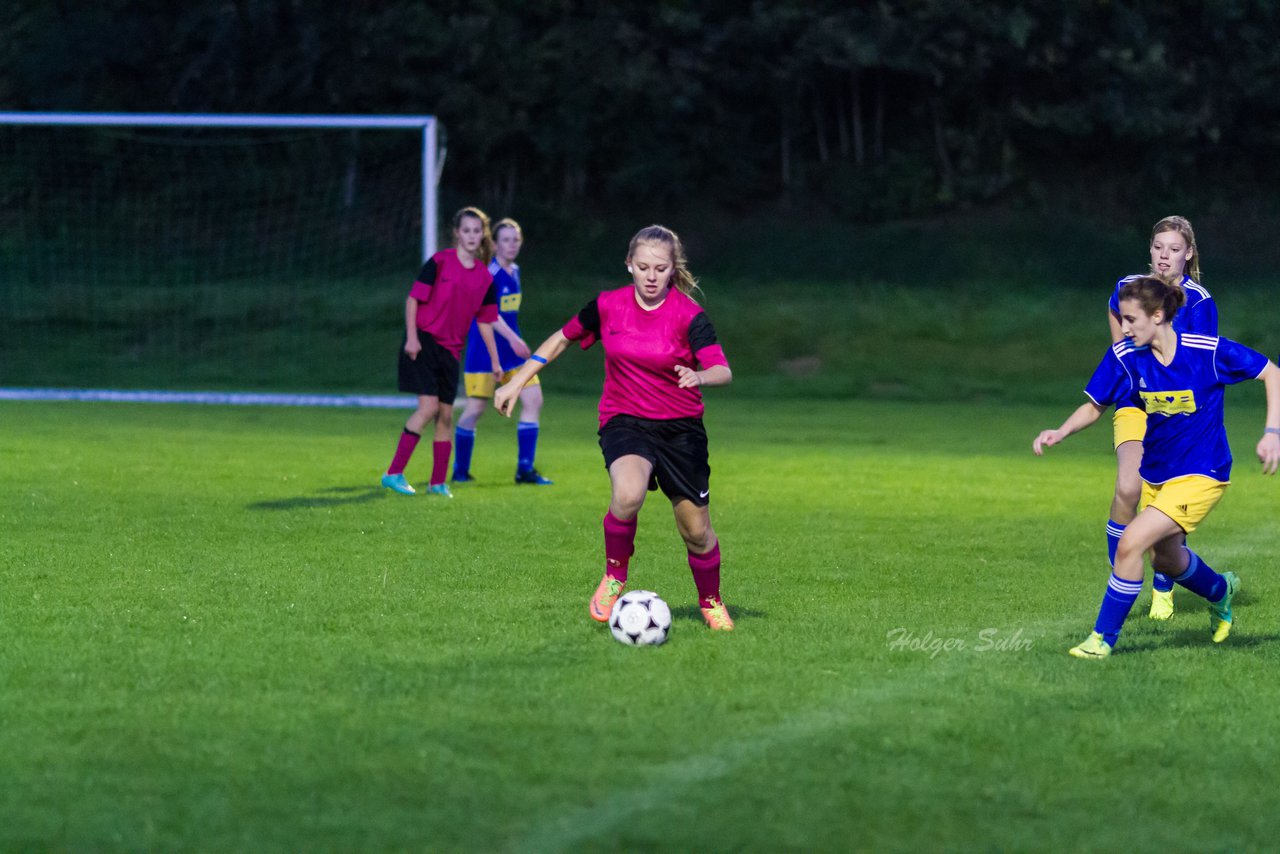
[(1114, 530), (1116, 604)]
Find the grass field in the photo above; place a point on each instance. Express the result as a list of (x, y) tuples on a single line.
[(994, 306), (217, 634)]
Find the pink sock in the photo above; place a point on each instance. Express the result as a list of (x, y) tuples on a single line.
[(706, 575), (404, 450), (439, 461), (619, 545)]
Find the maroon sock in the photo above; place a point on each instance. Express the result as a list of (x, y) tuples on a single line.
[(404, 450), (706, 575), (440, 461), (619, 545)]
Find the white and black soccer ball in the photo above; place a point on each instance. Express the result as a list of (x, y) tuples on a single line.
[(640, 618)]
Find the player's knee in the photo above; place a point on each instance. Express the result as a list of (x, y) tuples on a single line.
[(1127, 549), (697, 535), (1128, 493), (627, 501)]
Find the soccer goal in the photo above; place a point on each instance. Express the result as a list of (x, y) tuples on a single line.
[(246, 252)]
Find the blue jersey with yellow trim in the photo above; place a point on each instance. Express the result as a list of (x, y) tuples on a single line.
[(508, 289), (1199, 314), (1183, 401)]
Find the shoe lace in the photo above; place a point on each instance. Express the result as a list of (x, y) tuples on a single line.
[(717, 614), (612, 587)]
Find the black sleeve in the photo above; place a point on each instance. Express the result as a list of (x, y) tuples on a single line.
[(429, 272), (589, 317), (701, 332), (491, 295)]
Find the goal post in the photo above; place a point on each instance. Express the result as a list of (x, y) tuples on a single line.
[(181, 251)]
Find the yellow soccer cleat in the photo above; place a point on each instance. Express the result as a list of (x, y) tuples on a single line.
[(1220, 611), (1161, 605), (1093, 647)]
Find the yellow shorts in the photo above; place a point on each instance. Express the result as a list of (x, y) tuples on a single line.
[(1186, 500), (481, 385), (1129, 425)]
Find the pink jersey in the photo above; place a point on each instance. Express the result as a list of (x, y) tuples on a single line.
[(642, 349), (450, 296)]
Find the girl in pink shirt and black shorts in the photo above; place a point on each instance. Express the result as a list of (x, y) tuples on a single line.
[(659, 349), (454, 288)]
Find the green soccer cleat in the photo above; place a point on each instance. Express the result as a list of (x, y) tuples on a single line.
[(398, 483), (1161, 605), (439, 489), (1093, 647), (1220, 611)]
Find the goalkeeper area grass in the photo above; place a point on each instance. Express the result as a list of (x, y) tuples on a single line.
[(218, 633)]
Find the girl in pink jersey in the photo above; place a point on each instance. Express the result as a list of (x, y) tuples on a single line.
[(659, 350), (453, 288)]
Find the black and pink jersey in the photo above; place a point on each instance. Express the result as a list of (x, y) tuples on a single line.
[(450, 296), (642, 349)]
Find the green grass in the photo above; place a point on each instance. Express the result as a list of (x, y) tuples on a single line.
[(217, 634), (989, 306)]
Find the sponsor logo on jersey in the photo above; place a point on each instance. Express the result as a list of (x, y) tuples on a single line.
[(1169, 402)]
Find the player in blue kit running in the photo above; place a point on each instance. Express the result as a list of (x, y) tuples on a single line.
[(1175, 258), (477, 377), (1178, 379)]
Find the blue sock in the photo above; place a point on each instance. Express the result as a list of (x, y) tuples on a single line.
[(1114, 530), (527, 444), (1116, 604), (1161, 582), (464, 441), (1201, 580)]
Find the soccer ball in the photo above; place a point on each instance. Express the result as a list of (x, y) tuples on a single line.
[(640, 618)]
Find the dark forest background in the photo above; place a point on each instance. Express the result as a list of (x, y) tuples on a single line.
[(862, 111)]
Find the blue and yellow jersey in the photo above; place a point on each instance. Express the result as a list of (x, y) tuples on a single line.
[(1183, 401), (508, 288), (1198, 315)]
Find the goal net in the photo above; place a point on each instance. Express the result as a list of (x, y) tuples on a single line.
[(215, 252)]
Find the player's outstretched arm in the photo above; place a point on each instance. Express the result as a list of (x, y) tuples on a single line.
[(1269, 444), (714, 375), (1085, 416), (505, 397)]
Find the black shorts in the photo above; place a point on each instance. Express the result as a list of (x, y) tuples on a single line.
[(434, 373), (677, 448)]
